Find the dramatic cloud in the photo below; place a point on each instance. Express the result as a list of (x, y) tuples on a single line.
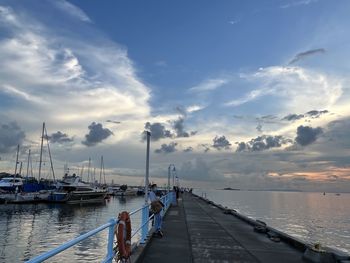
[(96, 134), (292, 88), (262, 143), (52, 69), (157, 130), (307, 135), (59, 137), (167, 148), (220, 143), (188, 149), (10, 136)]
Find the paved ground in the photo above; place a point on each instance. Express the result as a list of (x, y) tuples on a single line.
[(175, 245), (195, 231)]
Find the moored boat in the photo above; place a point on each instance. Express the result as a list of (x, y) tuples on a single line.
[(72, 190)]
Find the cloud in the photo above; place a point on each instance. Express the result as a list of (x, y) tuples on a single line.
[(52, 70), (60, 138), (198, 169), (167, 148), (293, 117), (298, 3), (305, 54), (205, 146), (242, 146), (11, 135), (220, 143), (194, 108), (233, 22), (307, 135), (259, 128), (209, 85), (315, 113), (96, 134), (262, 143), (182, 111), (72, 10), (292, 88), (188, 149), (158, 131), (254, 94), (115, 122), (179, 128)]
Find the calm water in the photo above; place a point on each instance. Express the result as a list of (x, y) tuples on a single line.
[(312, 217), (28, 230)]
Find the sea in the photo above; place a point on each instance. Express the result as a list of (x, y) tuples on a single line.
[(30, 229)]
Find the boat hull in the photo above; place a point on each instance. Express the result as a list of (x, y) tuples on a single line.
[(78, 197)]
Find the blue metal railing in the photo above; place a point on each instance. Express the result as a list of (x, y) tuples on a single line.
[(144, 227)]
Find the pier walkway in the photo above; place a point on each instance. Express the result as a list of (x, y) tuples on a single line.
[(195, 231)]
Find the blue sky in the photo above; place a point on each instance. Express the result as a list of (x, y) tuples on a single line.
[(246, 93)]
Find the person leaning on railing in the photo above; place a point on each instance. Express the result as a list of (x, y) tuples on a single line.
[(156, 208)]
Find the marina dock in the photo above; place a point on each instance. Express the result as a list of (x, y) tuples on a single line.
[(197, 230)]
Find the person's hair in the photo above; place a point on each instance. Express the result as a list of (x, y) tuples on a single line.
[(153, 185)]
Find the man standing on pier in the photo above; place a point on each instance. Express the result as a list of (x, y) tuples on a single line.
[(156, 207)]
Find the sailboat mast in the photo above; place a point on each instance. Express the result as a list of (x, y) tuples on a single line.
[(20, 168), (41, 150), (104, 174), (89, 170), (81, 173), (16, 159), (28, 164), (101, 169), (48, 148)]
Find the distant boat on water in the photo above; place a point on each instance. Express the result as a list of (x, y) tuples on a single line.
[(231, 189)]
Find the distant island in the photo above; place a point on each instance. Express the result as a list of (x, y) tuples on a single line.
[(231, 189)]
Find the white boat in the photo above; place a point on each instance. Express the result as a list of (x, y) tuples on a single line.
[(11, 184), (22, 197), (72, 190), (127, 192)]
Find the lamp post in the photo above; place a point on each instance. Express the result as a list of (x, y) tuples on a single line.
[(171, 169)]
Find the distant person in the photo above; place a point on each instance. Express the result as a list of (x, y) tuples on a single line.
[(156, 207)]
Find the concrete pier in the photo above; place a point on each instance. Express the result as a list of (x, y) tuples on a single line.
[(200, 231)]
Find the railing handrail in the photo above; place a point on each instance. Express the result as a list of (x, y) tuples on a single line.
[(111, 223), (71, 243)]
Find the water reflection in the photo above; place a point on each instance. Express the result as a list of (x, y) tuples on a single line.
[(313, 217), (28, 230)]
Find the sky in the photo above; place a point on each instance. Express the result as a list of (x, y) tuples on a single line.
[(242, 94)]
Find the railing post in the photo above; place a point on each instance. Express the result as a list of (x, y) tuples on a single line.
[(144, 224), (110, 252)]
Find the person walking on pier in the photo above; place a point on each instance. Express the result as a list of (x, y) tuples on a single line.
[(156, 207)]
